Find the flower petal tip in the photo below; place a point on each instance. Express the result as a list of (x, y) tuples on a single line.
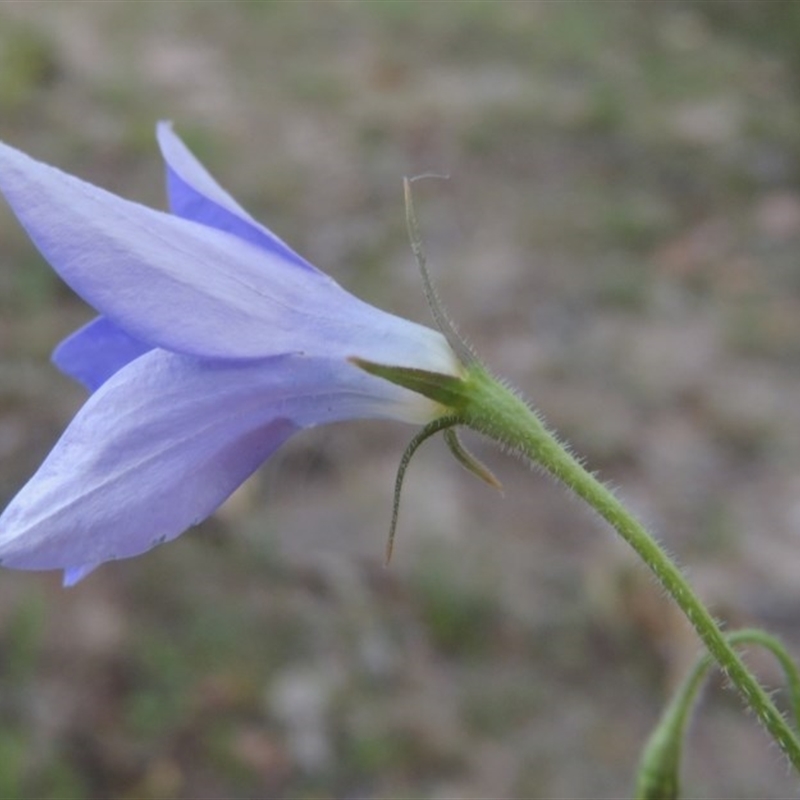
[(73, 575)]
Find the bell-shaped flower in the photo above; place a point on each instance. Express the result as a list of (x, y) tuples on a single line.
[(216, 342)]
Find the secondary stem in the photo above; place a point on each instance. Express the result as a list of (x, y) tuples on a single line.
[(658, 775), (499, 413)]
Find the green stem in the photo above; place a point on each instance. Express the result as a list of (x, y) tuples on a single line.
[(497, 412)]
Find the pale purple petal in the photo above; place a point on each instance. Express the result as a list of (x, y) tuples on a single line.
[(73, 575), (165, 280), (188, 288), (96, 351), (165, 440), (195, 195)]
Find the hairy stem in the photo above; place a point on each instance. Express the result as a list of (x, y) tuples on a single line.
[(500, 414)]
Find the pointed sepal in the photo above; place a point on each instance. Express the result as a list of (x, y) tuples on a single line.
[(470, 462), (431, 429), (446, 390)]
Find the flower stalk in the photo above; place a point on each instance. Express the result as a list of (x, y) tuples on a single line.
[(500, 414), (479, 401)]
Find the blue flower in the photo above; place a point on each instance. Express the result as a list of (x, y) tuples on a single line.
[(216, 342)]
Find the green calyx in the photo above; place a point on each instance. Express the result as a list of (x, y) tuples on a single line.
[(464, 402), (474, 399), (462, 399)]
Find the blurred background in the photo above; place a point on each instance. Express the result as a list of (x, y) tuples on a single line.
[(619, 238)]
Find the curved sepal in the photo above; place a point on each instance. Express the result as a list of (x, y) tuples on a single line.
[(431, 429)]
